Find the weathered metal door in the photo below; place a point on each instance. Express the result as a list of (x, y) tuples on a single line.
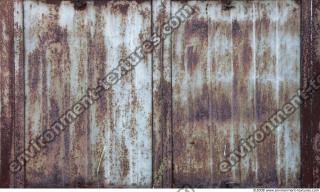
[(173, 120)]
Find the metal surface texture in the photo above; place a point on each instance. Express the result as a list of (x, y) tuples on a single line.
[(170, 121)]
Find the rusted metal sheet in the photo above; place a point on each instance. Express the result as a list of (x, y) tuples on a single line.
[(11, 90), (232, 69), (19, 114), (309, 117), (315, 137), (174, 118), (6, 90), (190, 100), (68, 51), (162, 100)]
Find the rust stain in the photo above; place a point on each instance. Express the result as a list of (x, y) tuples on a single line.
[(222, 109), (33, 71), (200, 109), (162, 101), (196, 28), (7, 79), (124, 162), (236, 31), (227, 4), (121, 8), (80, 4), (192, 58)]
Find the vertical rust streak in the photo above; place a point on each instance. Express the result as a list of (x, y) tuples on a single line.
[(162, 100), (7, 80), (191, 103), (48, 62), (315, 125), (220, 63), (243, 97), (78, 35), (19, 126), (265, 92), (238, 96), (306, 107), (170, 151), (100, 114)]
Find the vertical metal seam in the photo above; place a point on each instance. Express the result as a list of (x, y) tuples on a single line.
[(305, 62), (13, 86), (152, 110), (24, 89), (311, 132), (163, 154), (255, 78), (301, 85), (311, 71), (209, 100), (171, 106)]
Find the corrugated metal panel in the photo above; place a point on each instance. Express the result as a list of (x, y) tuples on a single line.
[(171, 120), (233, 69), (68, 51), (162, 100)]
